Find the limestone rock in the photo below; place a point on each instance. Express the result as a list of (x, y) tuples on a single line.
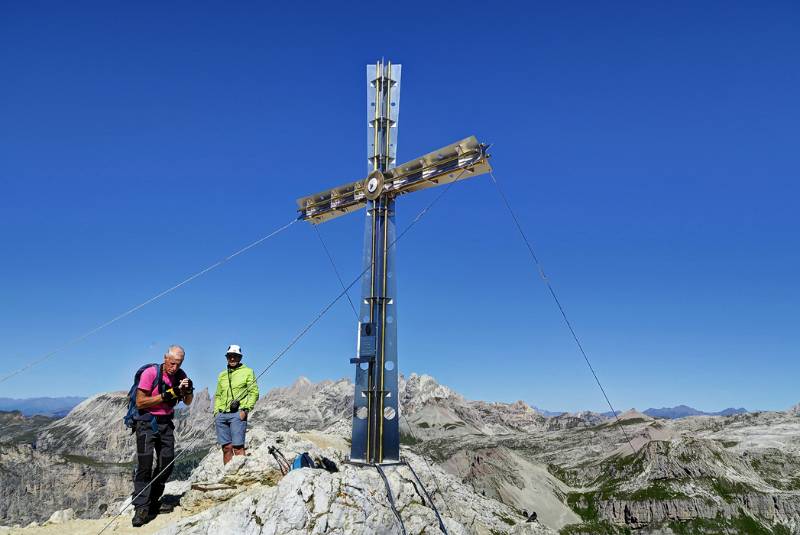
[(53, 482), (249, 495), (59, 517)]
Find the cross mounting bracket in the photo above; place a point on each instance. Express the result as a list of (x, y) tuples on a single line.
[(373, 185), (463, 159)]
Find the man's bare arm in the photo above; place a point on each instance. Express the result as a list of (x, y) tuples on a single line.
[(143, 401)]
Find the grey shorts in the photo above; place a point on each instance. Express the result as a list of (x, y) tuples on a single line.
[(230, 428)]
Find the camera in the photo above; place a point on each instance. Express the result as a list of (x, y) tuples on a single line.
[(234, 405), (186, 390)]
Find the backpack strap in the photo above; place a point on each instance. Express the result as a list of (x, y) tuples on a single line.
[(158, 381)]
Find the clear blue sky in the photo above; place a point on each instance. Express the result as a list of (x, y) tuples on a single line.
[(650, 149)]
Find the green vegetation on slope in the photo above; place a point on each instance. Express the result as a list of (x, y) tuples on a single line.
[(594, 528), (726, 526)]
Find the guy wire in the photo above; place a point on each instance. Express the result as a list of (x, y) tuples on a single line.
[(145, 303), (546, 281)]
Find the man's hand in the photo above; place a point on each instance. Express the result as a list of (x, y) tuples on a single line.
[(243, 416), (185, 387)]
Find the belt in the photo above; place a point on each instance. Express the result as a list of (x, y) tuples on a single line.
[(160, 418)]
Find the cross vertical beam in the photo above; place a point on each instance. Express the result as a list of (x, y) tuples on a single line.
[(376, 436), (376, 431)]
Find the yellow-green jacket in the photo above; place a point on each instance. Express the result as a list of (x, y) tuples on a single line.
[(241, 378)]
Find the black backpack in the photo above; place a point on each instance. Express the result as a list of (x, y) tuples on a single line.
[(326, 464)]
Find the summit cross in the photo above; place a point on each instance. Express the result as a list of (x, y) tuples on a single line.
[(376, 432)]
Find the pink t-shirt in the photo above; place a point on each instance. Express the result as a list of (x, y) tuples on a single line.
[(148, 378)]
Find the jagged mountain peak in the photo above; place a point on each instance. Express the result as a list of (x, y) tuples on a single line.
[(425, 388), (301, 382), (521, 405), (304, 388)]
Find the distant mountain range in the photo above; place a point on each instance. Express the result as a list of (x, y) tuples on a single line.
[(53, 407), (546, 413), (682, 411), (59, 407)]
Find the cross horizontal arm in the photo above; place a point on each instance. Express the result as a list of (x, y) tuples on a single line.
[(466, 158)]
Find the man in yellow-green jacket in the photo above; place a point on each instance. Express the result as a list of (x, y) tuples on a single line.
[(236, 395)]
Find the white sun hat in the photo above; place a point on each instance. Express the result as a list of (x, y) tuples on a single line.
[(233, 349)]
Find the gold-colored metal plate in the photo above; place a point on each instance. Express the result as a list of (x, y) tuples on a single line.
[(464, 159)]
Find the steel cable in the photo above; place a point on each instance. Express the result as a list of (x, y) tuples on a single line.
[(568, 323), (333, 265), (145, 303)]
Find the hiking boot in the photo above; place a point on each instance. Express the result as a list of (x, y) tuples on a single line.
[(140, 517), (160, 507), (166, 506)]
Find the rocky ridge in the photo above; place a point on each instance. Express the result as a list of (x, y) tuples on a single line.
[(20, 429), (85, 460), (94, 428), (581, 473)]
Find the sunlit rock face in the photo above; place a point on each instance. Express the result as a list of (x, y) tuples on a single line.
[(34, 484)]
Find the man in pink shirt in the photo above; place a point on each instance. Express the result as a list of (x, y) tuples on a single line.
[(154, 428)]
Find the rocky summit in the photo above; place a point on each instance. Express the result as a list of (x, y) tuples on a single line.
[(484, 467)]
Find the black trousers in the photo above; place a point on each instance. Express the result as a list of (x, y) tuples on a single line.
[(149, 446)]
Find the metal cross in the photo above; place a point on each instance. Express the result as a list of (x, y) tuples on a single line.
[(376, 435)]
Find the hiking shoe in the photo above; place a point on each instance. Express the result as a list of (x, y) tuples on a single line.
[(160, 507), (140, 517), (167, 507)]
